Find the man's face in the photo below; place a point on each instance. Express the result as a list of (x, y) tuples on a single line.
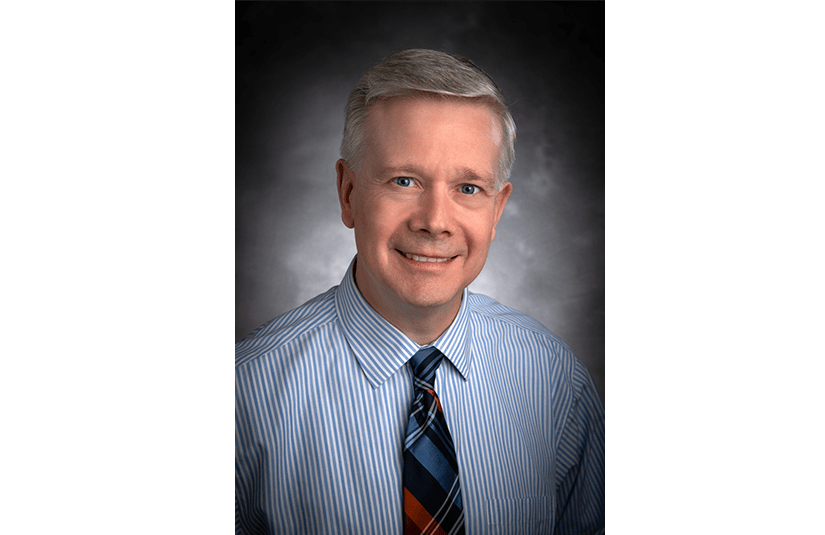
[(424, 204)]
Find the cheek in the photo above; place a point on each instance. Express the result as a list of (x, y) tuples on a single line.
[(481, 232), (372, 232), (385, 217)]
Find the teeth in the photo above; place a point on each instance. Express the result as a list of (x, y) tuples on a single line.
[(424, 258)]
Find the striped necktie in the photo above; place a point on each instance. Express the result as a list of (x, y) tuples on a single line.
[(432, 497)]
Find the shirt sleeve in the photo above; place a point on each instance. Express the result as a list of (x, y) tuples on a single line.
[(580, 464), (249, 518), (238, 528)]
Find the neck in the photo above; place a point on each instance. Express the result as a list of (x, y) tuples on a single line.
[(424, 327), (422, 324)]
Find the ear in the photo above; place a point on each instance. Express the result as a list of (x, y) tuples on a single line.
[(346, 182), (501, 200)]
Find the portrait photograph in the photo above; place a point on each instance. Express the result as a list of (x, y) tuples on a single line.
[(420, 296)]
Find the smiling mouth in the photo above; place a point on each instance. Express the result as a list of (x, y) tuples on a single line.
[(420, 258)]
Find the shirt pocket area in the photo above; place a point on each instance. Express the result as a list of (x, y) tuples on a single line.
[(532, 515)]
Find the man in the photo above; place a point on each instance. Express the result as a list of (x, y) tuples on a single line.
[(398, 401)]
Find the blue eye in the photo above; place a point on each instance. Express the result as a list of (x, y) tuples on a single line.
[(469, 189), (403, 181)]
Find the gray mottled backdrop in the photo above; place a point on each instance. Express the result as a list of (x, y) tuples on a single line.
[(297, 62)]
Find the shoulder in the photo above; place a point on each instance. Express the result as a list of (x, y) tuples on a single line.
[(524, 341), (286, 328), (491, 310), (497, 319)]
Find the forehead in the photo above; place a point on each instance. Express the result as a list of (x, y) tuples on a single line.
[(434, 129)]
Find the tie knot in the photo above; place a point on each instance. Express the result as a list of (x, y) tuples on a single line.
[(425, 362)]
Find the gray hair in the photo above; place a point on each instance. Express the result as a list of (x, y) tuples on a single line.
[(414, 72)]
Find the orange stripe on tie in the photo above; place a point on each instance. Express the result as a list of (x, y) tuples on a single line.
[(437, 401), (417, 515)]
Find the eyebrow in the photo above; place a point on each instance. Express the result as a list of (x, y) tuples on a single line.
[(488, 181), (464, 173)]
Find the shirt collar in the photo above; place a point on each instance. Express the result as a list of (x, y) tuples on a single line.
[(380, 348)]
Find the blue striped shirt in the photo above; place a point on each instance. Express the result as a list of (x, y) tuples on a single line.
[(323, 398)]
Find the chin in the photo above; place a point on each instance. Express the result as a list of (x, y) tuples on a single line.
[(422, 299)]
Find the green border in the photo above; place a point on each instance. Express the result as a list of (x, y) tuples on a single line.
[(118, 148), (714, 267)]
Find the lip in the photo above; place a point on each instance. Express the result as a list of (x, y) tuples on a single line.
[(425, 259)]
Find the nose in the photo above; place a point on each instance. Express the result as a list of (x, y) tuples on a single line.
[(433, 213)]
